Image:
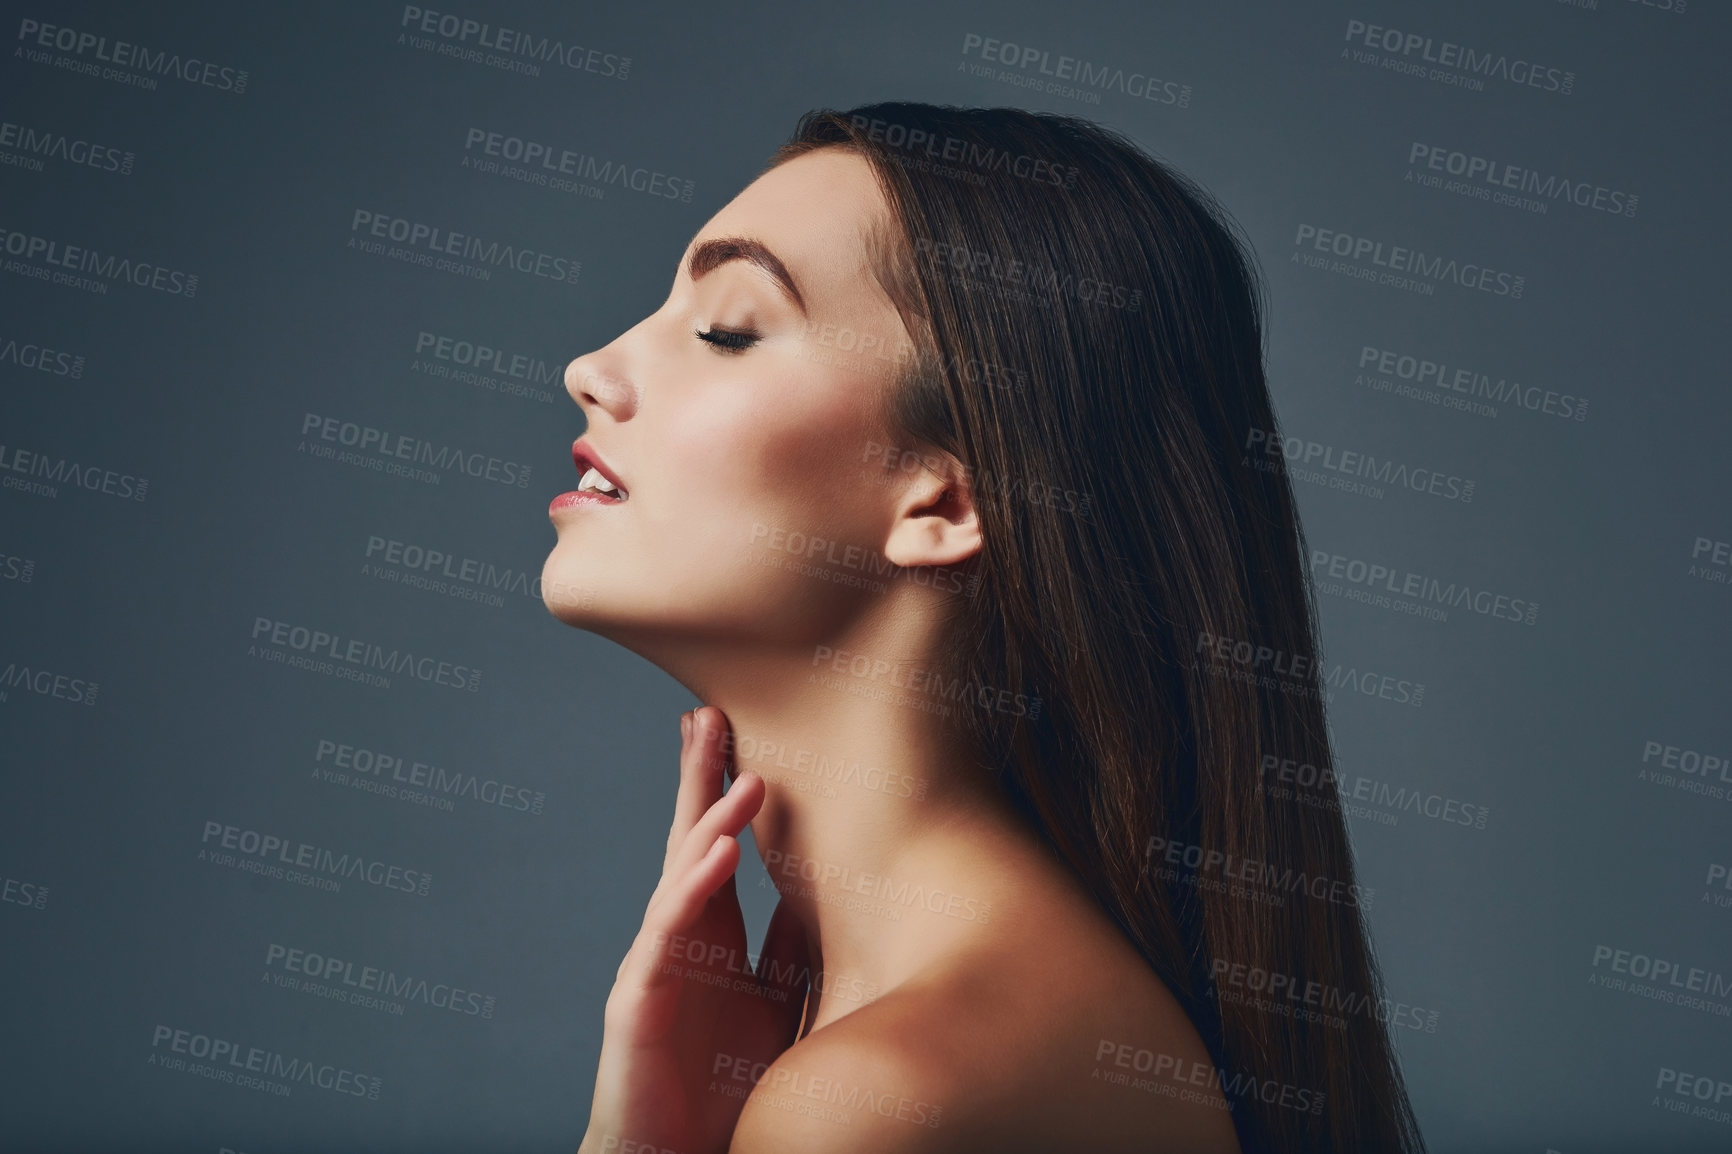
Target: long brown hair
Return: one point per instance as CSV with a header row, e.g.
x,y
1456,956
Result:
x,y
1088,323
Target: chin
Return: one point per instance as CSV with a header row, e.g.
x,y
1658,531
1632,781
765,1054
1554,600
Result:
x,y
573,597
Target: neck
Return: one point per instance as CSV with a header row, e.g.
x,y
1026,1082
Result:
x,y
882,832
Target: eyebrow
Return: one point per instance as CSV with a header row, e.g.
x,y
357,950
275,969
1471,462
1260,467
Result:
x,y
720,250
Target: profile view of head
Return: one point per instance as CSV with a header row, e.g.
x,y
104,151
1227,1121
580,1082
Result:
x,y
934,458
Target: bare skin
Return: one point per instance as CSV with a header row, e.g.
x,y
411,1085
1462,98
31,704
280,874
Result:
x,y
932,978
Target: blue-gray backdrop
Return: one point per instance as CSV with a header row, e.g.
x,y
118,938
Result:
x,y
1491,232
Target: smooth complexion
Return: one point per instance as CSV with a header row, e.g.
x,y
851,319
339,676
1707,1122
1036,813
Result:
x,y
997,1021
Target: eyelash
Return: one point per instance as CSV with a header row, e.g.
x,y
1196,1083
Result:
x,y
728,340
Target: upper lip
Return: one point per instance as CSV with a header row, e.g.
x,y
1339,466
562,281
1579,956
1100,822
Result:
x,y
585,458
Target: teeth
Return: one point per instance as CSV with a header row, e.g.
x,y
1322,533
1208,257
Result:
x,y
594,480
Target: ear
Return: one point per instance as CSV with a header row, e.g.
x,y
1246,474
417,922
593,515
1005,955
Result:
x,y
936,522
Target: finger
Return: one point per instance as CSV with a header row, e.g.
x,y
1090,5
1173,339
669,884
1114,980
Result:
x,y
681,904
700,774
725,902
676,830
728,817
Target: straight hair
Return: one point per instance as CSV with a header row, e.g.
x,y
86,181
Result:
x,y
1088,322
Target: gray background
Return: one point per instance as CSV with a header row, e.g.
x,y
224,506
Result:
x,y
1544,725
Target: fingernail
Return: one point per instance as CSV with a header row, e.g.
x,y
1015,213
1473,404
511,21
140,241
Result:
x,y
685,727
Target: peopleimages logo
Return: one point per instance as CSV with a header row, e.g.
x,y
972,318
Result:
x,y
425,243
1688,762
18,892
1309,1000
819,771
1219,1086
46,683
1414,51
925,681
286,637
438,564
543,162
417,781
485,358
1072,77
1374,583
1349,469
228,1061
820,1097
1711,561
1662,980
1032,280
26,147
487,367
854,565
88,46
384,443
1455,387
53,471
1286,672
830,880
1330,788
1363,256
325,865
1499,181
1713,1096
508,48
46,258
979,159
1267,882
341,979
40,358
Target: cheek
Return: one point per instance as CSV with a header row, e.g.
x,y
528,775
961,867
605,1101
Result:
x,y
790,460
705,472
816,488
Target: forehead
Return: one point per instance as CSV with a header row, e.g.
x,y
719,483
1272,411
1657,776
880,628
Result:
x,y
815,213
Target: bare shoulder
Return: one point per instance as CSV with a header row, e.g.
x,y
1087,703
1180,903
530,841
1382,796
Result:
x,y
1054,1040
860,1084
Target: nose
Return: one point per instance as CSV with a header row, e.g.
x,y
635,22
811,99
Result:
x,y
595,380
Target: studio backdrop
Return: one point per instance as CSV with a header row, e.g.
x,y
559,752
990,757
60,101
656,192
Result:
x,y
295,758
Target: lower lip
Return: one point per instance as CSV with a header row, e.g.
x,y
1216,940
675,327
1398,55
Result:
x,y
578,497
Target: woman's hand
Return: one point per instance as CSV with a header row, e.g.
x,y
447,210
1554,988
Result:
x,y
687,1000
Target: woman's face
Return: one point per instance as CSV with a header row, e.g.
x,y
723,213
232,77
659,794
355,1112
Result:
x,y
735,459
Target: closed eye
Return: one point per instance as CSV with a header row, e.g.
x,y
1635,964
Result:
x,y
728,340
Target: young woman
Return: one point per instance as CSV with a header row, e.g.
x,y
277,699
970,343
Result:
x,y
935,478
